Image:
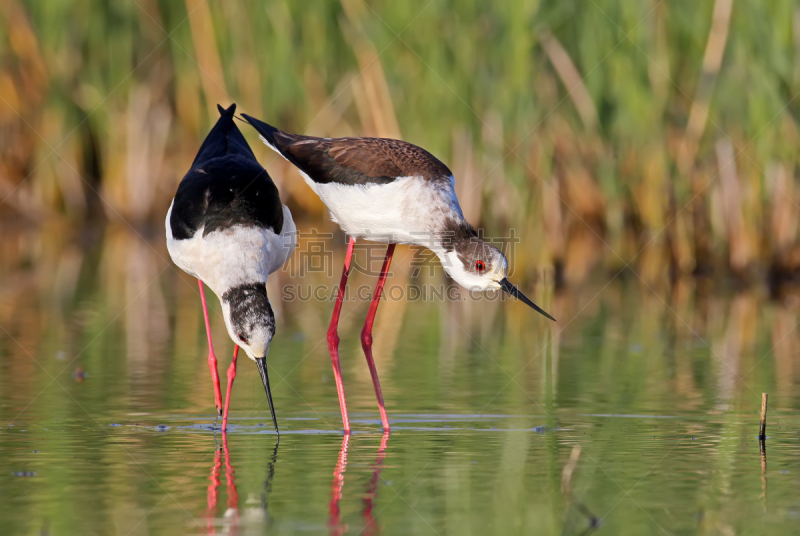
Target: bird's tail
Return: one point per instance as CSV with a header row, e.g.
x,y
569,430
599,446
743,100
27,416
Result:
x,y
227,113
225,138
268,133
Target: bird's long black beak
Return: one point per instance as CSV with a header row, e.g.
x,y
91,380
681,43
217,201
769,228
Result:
x,y
262,369
506,285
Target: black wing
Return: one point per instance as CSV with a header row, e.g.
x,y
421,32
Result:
x,y
224,193
226,186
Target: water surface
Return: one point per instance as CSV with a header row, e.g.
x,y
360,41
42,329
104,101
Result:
x,y
107,422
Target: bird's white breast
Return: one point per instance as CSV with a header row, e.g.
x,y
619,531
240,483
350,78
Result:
x,y
230,257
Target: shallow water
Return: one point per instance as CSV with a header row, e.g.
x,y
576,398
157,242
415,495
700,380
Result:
x,y
107,421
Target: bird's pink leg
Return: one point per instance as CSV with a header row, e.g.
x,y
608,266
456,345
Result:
x,y
231,376
212,359
366,334
333,336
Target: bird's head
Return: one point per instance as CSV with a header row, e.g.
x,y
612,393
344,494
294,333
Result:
x,y
249,318
477,265
251,324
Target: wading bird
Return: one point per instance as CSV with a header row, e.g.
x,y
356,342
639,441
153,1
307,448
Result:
x,y
227,227
390,191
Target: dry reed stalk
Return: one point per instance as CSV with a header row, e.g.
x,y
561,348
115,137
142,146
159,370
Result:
x,y
25,46
583,250
712,61
362,108
701,223
540,158
204,38
649,195
68,177
652,266
658,66
682,247
149,123
578,188
552,214
762,428
784,214
114,187
796,40
330,115
370,89
248,74
48,188
371,93
468,187
584,196
24,83
150,19
376,90
11,195
571,79
505,201
741,251
10,98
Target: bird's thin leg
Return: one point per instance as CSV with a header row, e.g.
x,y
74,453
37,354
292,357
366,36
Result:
x,y
212,359
366,334
333,336
231,376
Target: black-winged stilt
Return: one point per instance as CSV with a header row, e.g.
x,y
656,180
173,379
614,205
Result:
x,y
390,191
227,227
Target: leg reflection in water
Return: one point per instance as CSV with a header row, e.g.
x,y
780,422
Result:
x,y
370,526
213,494
232,518
335,525
334,521
232,513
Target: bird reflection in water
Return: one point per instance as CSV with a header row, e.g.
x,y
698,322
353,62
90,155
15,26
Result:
x,y
231,518
335,524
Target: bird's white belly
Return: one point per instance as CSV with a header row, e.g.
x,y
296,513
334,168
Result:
x,y
406,210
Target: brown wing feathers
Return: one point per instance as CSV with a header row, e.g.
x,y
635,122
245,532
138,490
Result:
x,y
353,160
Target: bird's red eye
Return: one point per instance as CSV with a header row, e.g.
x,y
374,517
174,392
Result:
x,y
242,338
480,266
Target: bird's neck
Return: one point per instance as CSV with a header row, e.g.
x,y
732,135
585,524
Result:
x,y
454,231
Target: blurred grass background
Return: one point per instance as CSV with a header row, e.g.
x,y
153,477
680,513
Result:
x,y
652,139
655,136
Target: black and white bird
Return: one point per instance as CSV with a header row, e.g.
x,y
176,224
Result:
x,y
390,191
227,227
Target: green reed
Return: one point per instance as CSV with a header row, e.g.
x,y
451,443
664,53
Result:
x,y
659,136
